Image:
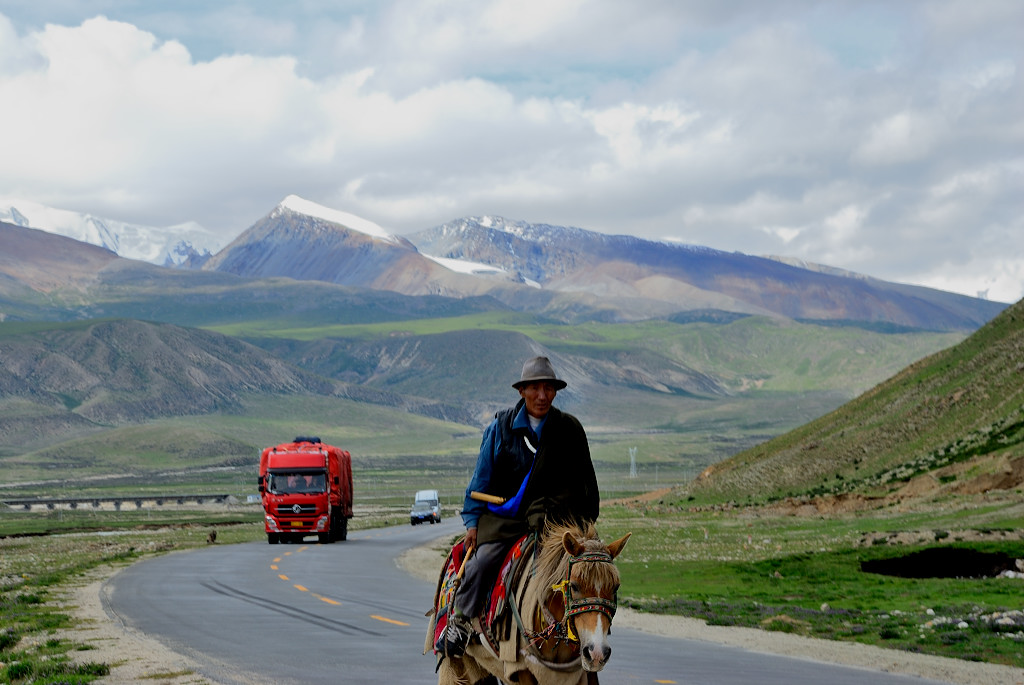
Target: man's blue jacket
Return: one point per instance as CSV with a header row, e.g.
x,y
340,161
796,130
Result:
x,y
562,486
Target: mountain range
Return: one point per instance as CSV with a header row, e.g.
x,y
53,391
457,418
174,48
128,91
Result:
x,y
564,272
312,312
187,244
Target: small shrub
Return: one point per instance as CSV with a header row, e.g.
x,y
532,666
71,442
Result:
x,y
29,599
8,638
889,633
94,669
781,627
953,638
18,670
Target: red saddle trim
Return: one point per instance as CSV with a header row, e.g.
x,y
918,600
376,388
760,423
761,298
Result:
x,y
497,601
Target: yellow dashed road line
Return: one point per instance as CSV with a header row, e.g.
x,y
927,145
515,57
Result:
x,y
328,600
388,620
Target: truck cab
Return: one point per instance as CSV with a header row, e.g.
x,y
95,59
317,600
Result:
x,y
306,489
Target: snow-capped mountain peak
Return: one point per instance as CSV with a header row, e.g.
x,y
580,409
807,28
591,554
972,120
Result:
x,y
182,244
351,221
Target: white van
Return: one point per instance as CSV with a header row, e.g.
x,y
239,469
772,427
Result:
x,y
426,506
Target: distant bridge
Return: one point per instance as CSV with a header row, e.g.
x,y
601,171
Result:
x,y
116,503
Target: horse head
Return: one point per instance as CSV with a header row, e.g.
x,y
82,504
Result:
x,y
588,594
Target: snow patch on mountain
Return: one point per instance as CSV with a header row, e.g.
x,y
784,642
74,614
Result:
x,y
171,246
463,266
819,268
334,216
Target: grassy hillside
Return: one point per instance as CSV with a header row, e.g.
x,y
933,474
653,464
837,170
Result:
x,y
128,398
951,424
752,353
220,451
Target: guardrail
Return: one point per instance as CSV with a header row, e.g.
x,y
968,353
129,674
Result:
x,y
115,503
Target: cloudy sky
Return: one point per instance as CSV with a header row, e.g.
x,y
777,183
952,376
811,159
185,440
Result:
x,y
882,137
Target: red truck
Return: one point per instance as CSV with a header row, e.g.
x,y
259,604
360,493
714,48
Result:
x,y
306,488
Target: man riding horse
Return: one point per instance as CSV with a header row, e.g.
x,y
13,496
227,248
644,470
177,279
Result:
x,y
537,459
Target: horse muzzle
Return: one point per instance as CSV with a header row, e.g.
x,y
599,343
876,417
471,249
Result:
x,y
594,657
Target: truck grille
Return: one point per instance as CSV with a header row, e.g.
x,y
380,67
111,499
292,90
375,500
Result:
x,y
286,510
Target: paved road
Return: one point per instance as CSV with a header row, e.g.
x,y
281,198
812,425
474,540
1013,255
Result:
x,y
346,613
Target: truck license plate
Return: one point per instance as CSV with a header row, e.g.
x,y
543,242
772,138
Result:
x,y
296,524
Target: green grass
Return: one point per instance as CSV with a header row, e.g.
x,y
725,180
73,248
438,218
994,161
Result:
x,y
726,565
273,328
738,567
178,445
393,452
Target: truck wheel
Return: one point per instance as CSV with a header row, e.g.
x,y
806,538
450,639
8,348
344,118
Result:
x,y
324,538
273,538
342,528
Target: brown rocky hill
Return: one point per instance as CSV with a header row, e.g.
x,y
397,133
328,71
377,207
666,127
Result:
x,y
33,260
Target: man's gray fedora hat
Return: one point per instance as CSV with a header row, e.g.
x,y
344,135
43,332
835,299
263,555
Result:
x,y
536,370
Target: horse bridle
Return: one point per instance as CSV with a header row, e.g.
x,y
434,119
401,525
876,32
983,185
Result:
x,y
575,607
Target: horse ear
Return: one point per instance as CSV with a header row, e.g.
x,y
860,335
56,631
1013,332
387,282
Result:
x,y
571,544
616,547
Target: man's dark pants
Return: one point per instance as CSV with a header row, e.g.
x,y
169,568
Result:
x,y
479,576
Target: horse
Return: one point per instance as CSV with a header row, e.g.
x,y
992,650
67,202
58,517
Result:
x,y
562,609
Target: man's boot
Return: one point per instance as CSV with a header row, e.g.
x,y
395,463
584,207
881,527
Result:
x,y
456,637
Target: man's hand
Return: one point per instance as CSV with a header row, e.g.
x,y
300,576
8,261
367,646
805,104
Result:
x,y
470,538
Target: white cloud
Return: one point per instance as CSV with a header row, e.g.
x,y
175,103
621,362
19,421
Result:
x,y
786,234
769,128
903,137
989,277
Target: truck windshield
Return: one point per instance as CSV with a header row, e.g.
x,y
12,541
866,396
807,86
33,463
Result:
x,y
282,483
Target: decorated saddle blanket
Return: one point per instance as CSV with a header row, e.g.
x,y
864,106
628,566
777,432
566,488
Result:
x,y
497,603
